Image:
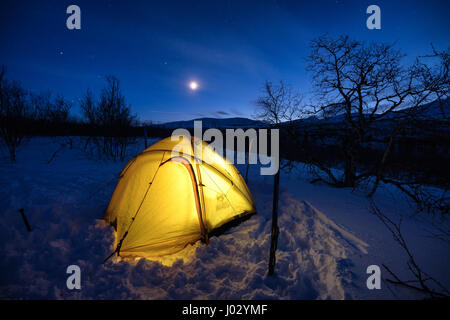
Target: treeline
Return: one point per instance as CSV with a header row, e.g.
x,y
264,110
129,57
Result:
x,y
77,127
106,121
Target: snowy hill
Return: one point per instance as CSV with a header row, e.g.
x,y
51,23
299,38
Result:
x,y
430,111
433,111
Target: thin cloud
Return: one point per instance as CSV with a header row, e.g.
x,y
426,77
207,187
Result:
x,y
222,113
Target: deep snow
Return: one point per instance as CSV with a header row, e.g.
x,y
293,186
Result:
x,y
328,237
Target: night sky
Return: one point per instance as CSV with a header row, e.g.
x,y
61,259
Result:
x,y
229,47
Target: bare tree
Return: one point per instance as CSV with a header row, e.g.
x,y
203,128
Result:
x,y
110,117
422,281
15,113
51,111
278,104
52,115
433,81
88,106
363,84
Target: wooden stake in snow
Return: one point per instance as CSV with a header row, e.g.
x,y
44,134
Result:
x,y
27,225
275,231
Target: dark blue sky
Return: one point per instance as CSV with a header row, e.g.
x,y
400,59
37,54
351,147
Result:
x,y
230,47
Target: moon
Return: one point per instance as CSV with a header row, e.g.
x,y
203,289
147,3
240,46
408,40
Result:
x,y
193,85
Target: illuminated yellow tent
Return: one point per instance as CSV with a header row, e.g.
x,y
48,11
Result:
x,y
165,199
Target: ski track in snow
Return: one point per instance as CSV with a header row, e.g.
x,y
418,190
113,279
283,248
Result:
x,y
64,201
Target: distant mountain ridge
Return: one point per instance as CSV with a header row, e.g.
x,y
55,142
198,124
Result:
x,y
220,123
430,111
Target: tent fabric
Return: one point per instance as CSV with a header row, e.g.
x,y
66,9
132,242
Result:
x,y
173,194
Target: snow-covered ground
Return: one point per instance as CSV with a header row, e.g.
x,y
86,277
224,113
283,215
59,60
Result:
x,y
328,237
